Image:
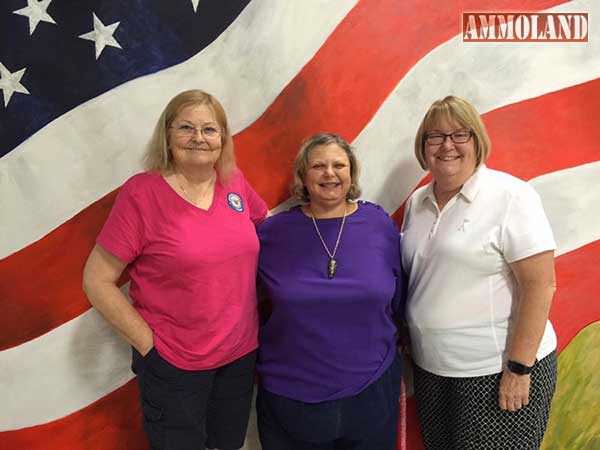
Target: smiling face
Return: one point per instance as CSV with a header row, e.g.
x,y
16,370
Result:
x,y
194,137
450,164
328,178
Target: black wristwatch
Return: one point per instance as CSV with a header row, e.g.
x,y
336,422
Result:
x,y
518,368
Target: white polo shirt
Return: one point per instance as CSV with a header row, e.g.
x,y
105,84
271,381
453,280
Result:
x,y
461,290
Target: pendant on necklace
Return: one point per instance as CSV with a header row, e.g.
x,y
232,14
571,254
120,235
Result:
x,y
331,268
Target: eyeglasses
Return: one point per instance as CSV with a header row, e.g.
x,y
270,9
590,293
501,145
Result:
x,y
458,137
185,130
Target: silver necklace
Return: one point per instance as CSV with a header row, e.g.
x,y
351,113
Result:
x,y
204,191
331,262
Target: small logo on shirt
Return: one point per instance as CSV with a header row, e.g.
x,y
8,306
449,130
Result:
x,y
235,202
465,225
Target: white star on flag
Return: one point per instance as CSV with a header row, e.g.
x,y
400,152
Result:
x,y
36,12
195,4
11,83
102,35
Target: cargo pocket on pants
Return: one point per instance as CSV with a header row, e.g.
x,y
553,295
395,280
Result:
x,y
152,412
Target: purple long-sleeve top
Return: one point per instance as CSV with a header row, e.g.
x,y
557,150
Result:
x,y
328,339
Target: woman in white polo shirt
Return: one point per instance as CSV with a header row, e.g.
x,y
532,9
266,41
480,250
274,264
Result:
x,y
479,254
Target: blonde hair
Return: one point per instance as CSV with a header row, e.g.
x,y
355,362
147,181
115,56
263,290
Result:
x,y
158,157
453,109
297,188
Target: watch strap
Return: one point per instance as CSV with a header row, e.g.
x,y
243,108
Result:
x,y
518,368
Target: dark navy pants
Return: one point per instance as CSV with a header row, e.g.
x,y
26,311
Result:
x,y
188,410
366,421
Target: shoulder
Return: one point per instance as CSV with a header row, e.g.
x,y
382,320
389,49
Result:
x,y
417,197
141,180
235,180
375,214
237,183
145,192
419,194
140,184
503,179
281,220
282,226
507,185
371,209
237,175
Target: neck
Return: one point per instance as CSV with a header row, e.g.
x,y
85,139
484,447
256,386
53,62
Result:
x,y
196,176
321,211
443,193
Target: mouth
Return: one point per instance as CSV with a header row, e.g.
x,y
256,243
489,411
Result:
x,y
199,149
330,185
448,157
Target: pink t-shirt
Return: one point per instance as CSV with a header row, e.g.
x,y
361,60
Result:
x,y
193,272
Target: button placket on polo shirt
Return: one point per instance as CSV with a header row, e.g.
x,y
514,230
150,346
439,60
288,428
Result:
x,y
439,214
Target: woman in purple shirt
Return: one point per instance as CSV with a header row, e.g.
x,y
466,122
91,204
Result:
x,y
330,269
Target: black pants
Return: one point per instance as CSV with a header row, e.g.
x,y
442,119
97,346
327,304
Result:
x,y
366,421
463,413
188,410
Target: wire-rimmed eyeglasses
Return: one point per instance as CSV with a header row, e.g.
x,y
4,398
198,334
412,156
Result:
x,y
186,130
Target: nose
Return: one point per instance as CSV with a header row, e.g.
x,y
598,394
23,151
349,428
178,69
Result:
x,y
197,135
329,170
447,141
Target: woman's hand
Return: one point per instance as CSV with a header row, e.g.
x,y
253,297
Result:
x,y
514,391
100,278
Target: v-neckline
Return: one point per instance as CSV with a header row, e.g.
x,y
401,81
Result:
x,y
217,189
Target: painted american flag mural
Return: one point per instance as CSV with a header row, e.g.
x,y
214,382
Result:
x,y
84,82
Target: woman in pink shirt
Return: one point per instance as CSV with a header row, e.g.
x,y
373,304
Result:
x,y
185,232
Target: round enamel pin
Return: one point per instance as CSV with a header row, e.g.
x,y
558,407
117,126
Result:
x,y
235,202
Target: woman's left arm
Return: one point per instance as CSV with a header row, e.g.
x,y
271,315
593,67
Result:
x,y
536,284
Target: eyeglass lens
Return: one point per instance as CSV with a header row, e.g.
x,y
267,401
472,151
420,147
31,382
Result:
x,y
458,137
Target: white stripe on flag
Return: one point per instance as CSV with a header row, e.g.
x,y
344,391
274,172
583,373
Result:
x,y
92,149
489,75
62,371
83,360
570,199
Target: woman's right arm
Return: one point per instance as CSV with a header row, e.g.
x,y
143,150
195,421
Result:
x,y
100,276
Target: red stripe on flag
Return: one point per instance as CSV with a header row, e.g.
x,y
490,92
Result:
x,y
336,90
576,302
545,134
40,285
340,91
111,423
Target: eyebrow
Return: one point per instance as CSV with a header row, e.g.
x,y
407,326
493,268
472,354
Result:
x,y
192,123
335,161
435,130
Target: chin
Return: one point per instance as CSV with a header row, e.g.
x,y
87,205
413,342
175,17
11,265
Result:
x,y
331,201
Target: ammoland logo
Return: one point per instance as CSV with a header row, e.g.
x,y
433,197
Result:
x,y
524,26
